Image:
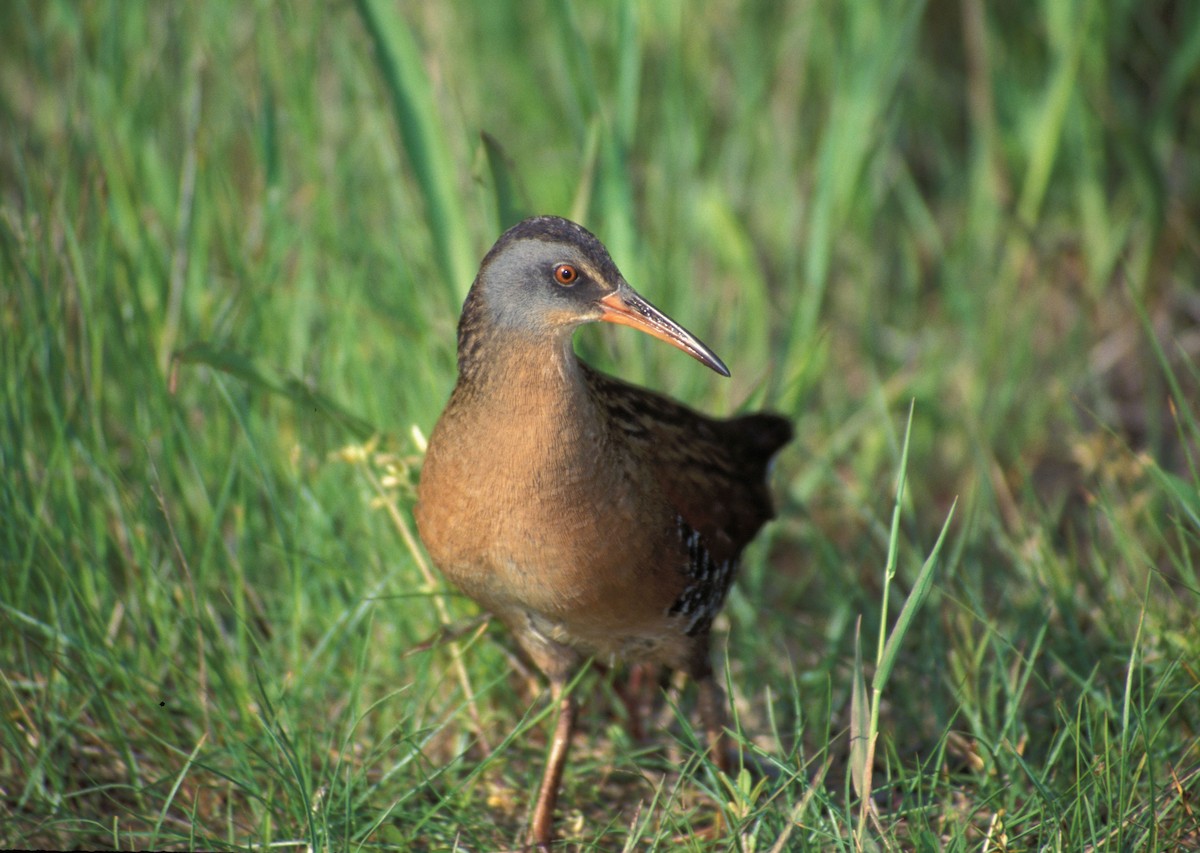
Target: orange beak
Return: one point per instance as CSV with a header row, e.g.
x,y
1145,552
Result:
x,y
626,307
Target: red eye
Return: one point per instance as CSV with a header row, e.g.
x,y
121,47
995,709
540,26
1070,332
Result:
x,y
566,274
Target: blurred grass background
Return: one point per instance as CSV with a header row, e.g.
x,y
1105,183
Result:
x,y
233,242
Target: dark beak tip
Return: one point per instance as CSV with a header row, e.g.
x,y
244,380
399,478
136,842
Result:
x,y
709,359
627,307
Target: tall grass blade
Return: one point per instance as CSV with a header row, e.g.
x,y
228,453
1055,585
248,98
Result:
x,y
920,591
421,133
511,208
860,721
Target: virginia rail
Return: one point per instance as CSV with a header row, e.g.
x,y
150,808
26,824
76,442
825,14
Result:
x,y
594,518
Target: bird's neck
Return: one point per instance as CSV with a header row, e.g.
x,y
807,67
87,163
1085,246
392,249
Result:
x,y
495,355
510,369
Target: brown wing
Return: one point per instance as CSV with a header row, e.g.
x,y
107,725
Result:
x,y
713,471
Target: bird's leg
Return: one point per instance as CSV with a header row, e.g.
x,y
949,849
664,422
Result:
x,y
637,696
541,829
711,699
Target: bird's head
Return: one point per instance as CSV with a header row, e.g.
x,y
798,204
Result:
x,y
546,276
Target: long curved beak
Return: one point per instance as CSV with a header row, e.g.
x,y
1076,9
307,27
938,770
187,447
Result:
x,y
627,307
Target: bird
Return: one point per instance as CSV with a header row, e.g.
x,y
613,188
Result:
x,y
596,519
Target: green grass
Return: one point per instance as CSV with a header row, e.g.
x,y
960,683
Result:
x,y
233,242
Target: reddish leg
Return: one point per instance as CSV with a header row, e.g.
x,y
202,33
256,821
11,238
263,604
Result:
x,y
541,830
711,700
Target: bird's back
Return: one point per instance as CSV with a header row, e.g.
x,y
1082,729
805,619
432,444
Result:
x,y
714,471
